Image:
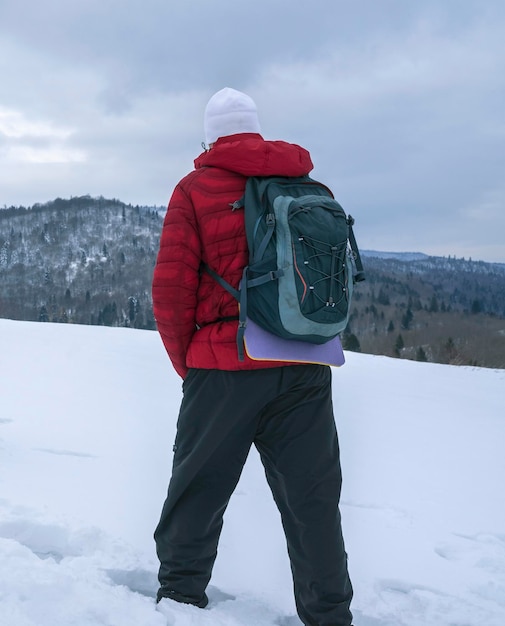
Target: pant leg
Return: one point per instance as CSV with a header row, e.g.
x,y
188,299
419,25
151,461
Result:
x,y
215,430
298,444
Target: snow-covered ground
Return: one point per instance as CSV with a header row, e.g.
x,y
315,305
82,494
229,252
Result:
x,y
87,422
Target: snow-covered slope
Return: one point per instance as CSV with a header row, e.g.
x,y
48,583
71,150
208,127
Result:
x,y
87,421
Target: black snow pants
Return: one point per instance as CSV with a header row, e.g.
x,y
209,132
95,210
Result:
x,y
287,413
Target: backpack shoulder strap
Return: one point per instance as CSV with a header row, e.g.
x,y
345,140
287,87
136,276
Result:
x,y
224,283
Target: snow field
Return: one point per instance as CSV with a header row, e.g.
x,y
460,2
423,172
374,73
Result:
x,y
87,422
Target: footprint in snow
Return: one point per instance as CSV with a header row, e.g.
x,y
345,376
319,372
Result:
x,y
217,596
146,583
137,580
50,540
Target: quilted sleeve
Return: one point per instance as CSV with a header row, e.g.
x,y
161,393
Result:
x,y
176,278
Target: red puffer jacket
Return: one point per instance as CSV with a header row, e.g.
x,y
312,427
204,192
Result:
x,y
193,311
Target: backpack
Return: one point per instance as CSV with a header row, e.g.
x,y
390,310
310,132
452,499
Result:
x,y
302,254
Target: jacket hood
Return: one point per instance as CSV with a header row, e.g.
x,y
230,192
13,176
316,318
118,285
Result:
x,y
250,155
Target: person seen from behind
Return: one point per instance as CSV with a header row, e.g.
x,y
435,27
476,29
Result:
x,y
284,409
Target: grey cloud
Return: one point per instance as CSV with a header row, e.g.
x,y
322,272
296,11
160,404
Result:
x,y
400,103
171,45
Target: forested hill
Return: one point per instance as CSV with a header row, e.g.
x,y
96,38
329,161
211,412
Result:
x,y
439,309
90,261
84,260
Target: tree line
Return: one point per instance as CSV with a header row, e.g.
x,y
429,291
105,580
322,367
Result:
x,y
90,261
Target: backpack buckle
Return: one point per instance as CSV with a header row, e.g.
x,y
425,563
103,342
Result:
x,y
275,274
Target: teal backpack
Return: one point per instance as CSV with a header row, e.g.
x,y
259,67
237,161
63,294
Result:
x,y
303,260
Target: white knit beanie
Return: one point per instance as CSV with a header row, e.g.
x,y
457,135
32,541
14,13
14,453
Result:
x,y
229,112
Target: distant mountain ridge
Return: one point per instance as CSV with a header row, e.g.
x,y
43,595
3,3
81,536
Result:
x,y
90,261
421,256
401,256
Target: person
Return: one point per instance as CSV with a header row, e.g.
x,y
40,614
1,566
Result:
x,y
284,409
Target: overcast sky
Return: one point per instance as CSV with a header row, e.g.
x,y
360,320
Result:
x,y
400,102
